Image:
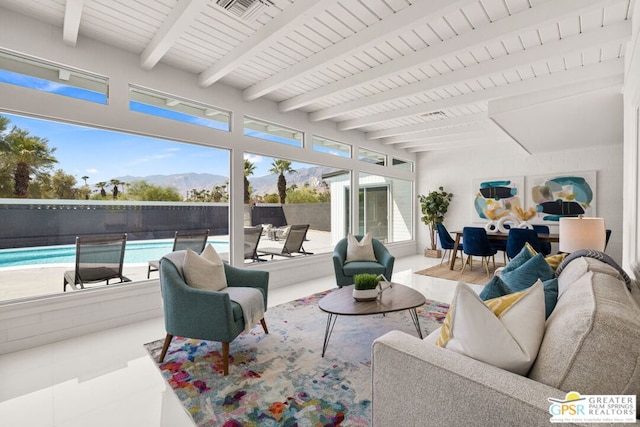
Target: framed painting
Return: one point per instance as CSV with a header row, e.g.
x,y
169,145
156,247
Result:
x,y
562,195
497,198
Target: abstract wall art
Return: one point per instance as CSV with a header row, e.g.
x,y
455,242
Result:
x,y
497,198
563,195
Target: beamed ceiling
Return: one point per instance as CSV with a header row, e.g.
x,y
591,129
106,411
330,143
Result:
x,y
418,74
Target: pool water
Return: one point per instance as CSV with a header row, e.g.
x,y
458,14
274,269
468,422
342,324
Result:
x,y
135,252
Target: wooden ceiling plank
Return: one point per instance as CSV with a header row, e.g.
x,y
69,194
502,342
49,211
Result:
x,y
527,19
599,36
399,22
278,27
177,22
591,72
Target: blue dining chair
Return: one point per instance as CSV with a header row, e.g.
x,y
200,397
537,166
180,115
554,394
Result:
x,y
545,246
607,237
518,237
476,243
447,243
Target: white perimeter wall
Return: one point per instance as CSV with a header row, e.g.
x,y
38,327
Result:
x,y
455,170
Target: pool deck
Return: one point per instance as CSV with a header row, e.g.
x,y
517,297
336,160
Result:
x,y
37,280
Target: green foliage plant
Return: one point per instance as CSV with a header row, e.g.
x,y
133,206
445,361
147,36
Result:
x,y
434,207
365,281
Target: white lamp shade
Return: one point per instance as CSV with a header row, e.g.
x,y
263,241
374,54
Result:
x,y
582,233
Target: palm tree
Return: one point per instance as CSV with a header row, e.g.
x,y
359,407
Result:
x,y
26,155
281,167
101,186
115,182
85,178
249,169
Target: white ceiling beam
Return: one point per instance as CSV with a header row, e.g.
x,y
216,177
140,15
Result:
x,y
459,130
395,24
180,18
71,24
590,72
435,124
550,11
450,145
283,23
597,37
504,105
444,139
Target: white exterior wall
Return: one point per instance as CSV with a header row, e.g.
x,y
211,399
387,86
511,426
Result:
x,y
455,170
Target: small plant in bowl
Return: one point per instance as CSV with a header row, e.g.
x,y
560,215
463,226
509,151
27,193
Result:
x,y
365,287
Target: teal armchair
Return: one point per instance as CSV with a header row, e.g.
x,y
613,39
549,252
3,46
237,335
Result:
x,y
345,272
203,314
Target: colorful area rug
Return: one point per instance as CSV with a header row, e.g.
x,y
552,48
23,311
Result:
x,y
281,379
477,275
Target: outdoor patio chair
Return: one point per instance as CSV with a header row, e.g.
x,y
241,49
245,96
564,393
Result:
x,y
251,240
292,245
194,240
98,258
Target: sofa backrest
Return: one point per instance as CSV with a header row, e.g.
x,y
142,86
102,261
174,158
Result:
x,y
592,339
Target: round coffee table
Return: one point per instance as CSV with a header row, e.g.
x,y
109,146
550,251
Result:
x,y
396,298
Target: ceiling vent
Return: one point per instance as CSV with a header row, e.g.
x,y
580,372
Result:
x,y
245,9
435,115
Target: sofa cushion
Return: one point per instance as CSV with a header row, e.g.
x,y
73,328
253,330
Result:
x,y
592,339
524,256
504,332
526,275
497,288
358,267
579,267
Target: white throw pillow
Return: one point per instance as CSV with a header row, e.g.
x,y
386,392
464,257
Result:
x,y
205,271
505,332
360,251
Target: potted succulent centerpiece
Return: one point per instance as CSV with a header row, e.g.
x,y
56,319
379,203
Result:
x,y
365,286
434,206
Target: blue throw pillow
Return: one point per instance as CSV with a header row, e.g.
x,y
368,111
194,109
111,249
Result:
x,y
550,295
494,289
518,260
526,275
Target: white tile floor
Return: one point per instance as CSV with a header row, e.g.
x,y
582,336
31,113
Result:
x,y
107,378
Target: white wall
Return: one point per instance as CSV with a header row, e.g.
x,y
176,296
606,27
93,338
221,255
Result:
x,y
455,170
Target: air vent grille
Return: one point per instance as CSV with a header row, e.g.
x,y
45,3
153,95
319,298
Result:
x,y
244,9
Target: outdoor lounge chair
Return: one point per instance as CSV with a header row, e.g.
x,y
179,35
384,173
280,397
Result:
x,y
292,245
251,240
194,240
98,258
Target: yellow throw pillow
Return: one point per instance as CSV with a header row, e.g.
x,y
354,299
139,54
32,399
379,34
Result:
x,y
205,271
505,332
555,260
528,246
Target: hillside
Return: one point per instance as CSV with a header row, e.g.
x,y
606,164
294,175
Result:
x,y
261,184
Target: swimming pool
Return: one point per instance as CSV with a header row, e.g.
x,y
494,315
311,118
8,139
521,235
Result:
x,y
140,251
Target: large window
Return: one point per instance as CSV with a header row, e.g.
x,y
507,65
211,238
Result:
x,y
283,192
49,77
59,181
272,132
171,107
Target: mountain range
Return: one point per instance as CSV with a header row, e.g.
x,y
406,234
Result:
x,y
261,185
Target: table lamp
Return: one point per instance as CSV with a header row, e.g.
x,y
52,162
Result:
x,y
581,233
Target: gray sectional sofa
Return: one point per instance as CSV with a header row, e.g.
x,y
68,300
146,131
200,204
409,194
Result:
x,y
591,345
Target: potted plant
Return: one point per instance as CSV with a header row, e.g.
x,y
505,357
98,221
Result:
x,y
434,206
365,286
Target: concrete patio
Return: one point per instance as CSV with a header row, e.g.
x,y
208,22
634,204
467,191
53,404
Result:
x,y
46,279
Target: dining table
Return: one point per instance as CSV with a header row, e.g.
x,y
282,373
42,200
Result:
x,y
497,235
